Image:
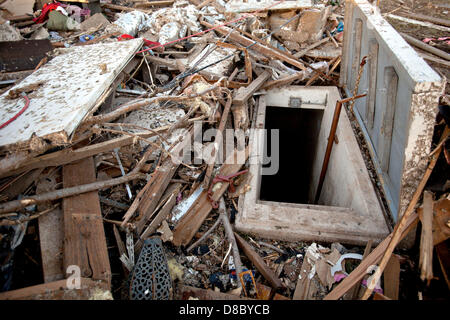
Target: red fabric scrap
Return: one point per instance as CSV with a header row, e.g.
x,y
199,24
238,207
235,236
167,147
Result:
x,y
45,11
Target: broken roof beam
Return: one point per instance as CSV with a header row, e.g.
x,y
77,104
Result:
x,y
263,49
237,6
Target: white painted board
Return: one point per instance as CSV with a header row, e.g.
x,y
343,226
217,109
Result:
x,y
72,83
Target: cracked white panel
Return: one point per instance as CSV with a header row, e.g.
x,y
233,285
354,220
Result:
x,y
71,84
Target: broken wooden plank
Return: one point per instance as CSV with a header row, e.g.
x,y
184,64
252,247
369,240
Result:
x,y
189,224
410,210
372,259
51,232
238,6
259,263
57,290
156,187
426,47
187,292
69,155
66,192
240,107
392,278
243,94
84,235
422,17
159,218
426,239
265,50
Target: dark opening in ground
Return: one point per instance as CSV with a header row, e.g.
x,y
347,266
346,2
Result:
x,y
298,137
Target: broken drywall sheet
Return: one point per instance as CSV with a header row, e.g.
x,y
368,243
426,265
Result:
x,y
63,91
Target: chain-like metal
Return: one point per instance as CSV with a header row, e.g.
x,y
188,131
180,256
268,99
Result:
x,y
355,90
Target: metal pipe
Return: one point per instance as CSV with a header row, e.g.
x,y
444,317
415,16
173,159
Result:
x,y
337,113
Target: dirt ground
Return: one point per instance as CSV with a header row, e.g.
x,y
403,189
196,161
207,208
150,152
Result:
x,y
435,8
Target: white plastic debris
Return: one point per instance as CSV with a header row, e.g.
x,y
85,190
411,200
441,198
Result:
x,y
171,31
133,22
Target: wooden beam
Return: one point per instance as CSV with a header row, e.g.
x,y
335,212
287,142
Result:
x,y
56,290
189,224
422,17
243,94
84,235
66,156
392,278
426,47
66,192
265,50
372,259
259,263
426,238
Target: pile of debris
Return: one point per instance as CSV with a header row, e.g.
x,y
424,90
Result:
x,y
106,183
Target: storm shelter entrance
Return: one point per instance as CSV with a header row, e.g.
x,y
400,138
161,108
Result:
x,y
298,137
280,205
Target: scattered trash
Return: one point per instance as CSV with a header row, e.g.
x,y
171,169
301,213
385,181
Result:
x,y
116,137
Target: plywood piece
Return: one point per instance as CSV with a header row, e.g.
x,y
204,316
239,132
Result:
x,y
64,91
84,235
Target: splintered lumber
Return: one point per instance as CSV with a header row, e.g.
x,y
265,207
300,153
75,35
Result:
x,y
51,233
240,107
68,155
189,224
303,287
218,137
300,54
66,192
53,114
243,94
358,289
146,202
231,238
401,225
372,259
122,8
159,218
426,239
426,47
187,292
57,290
259,263
84,235
422,17
392,278
260,48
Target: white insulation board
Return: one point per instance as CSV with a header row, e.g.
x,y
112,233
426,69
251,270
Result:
x,y
71,85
